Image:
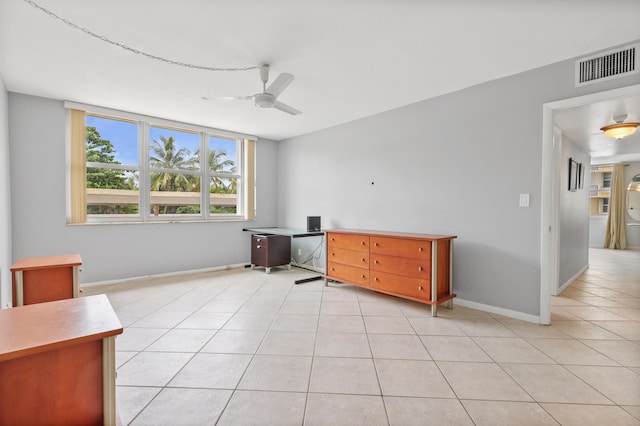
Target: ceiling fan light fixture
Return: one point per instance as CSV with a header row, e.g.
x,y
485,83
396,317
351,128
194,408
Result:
x,y
620,129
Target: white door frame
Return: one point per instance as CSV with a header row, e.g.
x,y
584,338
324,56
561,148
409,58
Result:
x,y
549,230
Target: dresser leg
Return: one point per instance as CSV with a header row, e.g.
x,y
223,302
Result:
x,y
434,310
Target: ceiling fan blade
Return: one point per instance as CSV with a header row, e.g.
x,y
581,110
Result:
x,y
286,108
280,84
227,98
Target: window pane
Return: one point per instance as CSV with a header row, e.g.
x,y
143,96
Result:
x,y
223,195
111,199
112,141
223,155
174,193
173,149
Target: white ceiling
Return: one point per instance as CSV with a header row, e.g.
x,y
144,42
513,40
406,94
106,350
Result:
x,y
351,58
582,126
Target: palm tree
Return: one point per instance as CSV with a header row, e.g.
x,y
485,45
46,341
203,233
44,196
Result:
x,y
217,164
165,155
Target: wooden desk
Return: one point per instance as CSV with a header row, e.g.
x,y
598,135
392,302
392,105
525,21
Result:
x,y
44,279
57,363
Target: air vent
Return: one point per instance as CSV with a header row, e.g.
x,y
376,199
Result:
x,y
607,65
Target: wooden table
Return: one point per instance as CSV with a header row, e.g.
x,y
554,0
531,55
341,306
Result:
x,y
44,279
57,363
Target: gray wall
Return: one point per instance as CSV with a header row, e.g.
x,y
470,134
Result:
x,y
109,252
573,253
454,164
5,202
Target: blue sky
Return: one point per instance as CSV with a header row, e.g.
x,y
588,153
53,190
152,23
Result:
x,y
124,138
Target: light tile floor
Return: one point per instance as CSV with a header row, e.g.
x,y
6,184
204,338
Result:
x,y
241,347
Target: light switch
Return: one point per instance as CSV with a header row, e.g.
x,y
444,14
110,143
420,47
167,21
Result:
x,y
524,200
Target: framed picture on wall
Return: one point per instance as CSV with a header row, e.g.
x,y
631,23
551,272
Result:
x,y
580,175
573,175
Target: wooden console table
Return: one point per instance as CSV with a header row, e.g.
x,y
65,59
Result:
x,y
57,363
45,279
413,266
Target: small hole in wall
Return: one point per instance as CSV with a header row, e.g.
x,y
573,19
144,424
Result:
x,y
372,183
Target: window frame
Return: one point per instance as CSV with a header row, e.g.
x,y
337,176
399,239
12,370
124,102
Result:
x,y
244,174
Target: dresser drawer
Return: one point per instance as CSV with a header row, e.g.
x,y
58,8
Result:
x,y
358,259
348,274
412,288
415,249
414,268
348,241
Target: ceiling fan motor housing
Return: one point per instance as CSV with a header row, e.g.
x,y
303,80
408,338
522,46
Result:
x,y
264,100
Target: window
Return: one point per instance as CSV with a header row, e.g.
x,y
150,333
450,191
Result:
x,y
606,180
127,168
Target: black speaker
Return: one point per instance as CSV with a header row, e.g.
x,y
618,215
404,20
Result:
x,y
313,223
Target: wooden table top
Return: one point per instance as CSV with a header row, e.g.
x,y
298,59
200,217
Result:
x,y
393,234
46,262
31,329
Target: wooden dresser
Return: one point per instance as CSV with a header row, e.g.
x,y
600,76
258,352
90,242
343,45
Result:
x,y
45,279
412,266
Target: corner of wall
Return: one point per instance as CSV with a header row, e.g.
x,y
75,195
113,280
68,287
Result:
x,y
5,201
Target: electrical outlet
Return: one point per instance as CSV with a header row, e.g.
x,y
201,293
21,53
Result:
x,y
299,252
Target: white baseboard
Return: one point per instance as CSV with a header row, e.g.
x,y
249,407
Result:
x,y
569,281
496,310
165,275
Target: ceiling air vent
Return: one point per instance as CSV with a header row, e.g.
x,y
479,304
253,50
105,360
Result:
x,y
607,65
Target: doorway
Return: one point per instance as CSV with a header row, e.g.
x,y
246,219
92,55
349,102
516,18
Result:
x,y
551,185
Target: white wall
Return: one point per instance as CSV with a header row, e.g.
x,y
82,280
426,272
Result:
x,y
455,164
5,202
573,253
109,252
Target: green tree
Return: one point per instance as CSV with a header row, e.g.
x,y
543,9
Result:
x,y
218,164
101,151
166,155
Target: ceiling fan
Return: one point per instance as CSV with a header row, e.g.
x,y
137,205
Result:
x,y
269,96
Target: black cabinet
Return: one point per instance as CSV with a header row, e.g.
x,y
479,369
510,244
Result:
x,y
270,250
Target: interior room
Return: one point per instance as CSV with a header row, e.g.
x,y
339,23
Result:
x,y
476,125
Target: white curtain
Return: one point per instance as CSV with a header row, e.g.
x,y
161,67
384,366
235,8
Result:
x,y
615,236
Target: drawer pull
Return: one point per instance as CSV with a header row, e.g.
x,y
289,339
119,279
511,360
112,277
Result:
x,y
362,276
375,244
375,279
419,288
258,246
419,268
362,260
333,269
361,243
333,254
419,248
258,239
333,239
375,261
